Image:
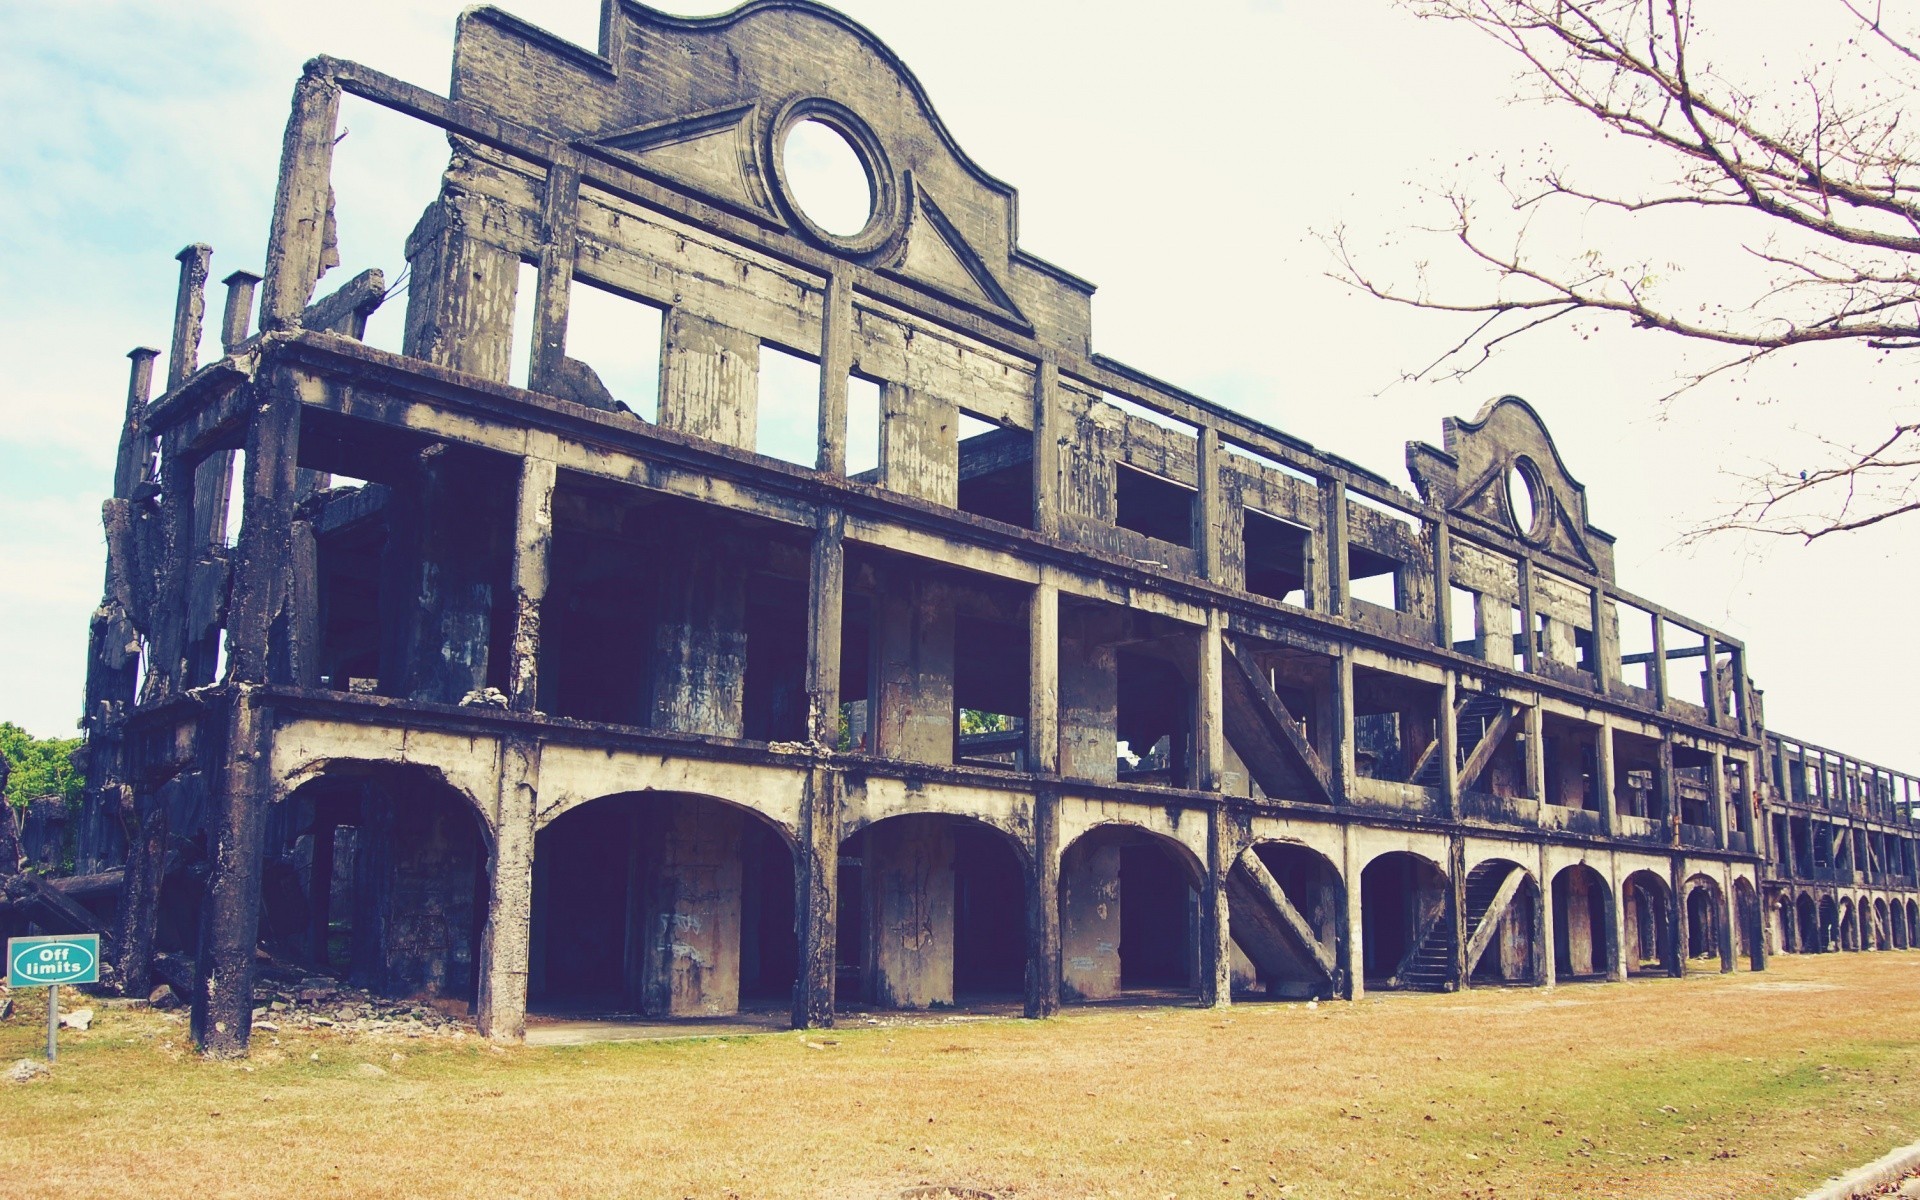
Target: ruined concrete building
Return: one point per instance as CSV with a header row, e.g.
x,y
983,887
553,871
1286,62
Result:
x,y
1037,677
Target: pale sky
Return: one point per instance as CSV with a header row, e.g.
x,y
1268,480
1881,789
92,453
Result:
x,y
1181,157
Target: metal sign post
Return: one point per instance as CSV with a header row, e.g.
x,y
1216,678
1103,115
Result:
x,y
49,962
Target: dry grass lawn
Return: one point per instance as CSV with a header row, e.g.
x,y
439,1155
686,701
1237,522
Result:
x,y
1715,1086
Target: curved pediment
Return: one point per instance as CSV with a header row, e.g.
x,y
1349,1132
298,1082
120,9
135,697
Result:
x,y
705,105
1502,471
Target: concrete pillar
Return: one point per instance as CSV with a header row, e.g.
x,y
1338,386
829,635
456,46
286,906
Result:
x,y
1545,946
690,963
1603,777
1043,679
910,913
505,940
1043,907
836,362
532,548
1343,764
222,1014
816,868
1456,868
1717,796
1351,868
1046,448
1536,755
298,240
1216,944
1677,915
1448,750
1529,649
1331,581
1090,920
554,296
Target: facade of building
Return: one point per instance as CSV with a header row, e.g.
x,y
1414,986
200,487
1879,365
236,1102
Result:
x,y
1025,674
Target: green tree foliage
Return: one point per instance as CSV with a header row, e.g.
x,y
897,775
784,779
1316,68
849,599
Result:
x,y
41,766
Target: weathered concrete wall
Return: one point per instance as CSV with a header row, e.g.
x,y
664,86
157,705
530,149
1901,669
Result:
x,y
1090,921
909,872
691,953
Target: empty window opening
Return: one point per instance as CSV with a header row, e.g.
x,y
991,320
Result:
x,y
1150,505
1691,787
1479,716
1571,752
1275,553
996,471
856,684
1463,614
1636,770
1633,633
1373,578
520,350
1154,720
618,336
1686,664
1395,727
235,505
349,556
775,693
1272,464
990,693
386,168
863,430
787,424
1582,930
1134,408
826,177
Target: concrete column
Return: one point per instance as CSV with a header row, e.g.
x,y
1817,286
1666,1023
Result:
x,y
1351,868
1660,661
222,1015
1216,947
532,548
1209,723
1457,908
1529,651
817,887
1546,948
1043,679
836,362
298,249
1606,644
506,938
1333,576
691,956
1442,585
1717,796
826,615
1449,749
1043,907
1536,754
1046,448
1603,777
1343,758
1090,920
558,249
1209,505
909,870
1677,915
1617,914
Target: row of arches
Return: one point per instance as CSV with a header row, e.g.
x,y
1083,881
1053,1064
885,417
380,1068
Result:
x,y
1810,923
678,905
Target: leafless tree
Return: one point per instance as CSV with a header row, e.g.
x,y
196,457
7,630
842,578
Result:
x,y
1812,175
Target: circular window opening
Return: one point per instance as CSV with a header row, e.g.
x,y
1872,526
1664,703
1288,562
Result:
x,y
1523,497
826,178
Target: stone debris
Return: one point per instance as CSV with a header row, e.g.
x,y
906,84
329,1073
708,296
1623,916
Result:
x,y
80,1019
322,1002
27,1070
162,998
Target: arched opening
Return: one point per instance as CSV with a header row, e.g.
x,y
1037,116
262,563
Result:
x,y
1706,921
1405,934
1786,934
1583,937
1286,911
1882,931
383,880
1647,924
661,905
1502,924
1129,916
1849,932
1746,923
1913,923
1897,924
933,913
1807,935
1827,937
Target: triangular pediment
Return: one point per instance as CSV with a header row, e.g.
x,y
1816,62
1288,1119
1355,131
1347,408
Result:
x,y
711,151
937,254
